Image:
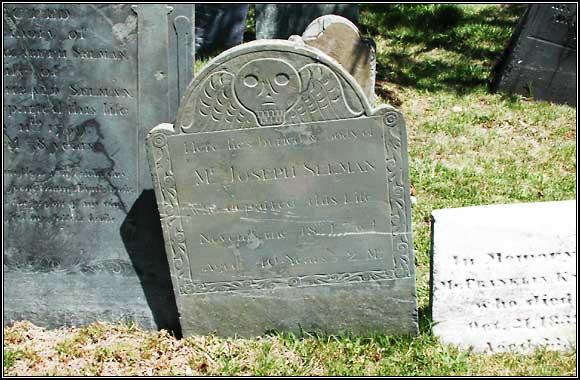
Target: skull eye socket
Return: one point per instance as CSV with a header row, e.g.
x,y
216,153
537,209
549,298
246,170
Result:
x,y
250,81
282,79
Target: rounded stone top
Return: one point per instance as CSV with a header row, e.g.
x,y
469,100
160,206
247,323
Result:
x,y
260,47
270,82
316,27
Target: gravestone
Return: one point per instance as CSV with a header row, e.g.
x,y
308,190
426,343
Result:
x,y
83,84
340,39
219,27
540,60
283,20
504,276
284,199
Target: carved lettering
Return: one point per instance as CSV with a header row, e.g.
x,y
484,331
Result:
x,y
262,174
57,108
72,188
115,109
17,70
507,258
536,322
111,92
261,206
31,34
250,238
351,134
204,176
222,267
114,55
191,147
59,14
463,261
338,167
64,172
472,283
552,342
35,53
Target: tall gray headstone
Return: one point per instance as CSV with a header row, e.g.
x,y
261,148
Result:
x,y
504,276
540,60
83,84
284,199
283,20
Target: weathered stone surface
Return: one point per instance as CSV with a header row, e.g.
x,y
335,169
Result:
x,y
540,60
340,39
283,20
219,27
504,276
83,84
284,199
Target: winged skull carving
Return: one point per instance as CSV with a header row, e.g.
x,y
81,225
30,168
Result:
x,y
267,87
322,97
215,108
268,92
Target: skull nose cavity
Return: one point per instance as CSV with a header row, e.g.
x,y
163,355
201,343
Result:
x,y
268,91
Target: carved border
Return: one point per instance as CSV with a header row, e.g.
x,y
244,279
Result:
x,y
289,282
397,196
168,205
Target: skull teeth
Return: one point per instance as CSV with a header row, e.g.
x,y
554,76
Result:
x,y
271,117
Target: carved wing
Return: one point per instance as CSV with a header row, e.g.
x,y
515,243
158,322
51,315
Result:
x,y
322,97
215,107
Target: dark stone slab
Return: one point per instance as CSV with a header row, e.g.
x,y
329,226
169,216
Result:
x,y
83,84
284,199
283,20
219,27
540,60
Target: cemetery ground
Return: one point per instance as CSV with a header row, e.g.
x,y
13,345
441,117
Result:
x,y
467,147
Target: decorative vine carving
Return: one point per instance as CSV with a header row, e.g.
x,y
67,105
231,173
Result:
x,y
396,186
168,210
271,283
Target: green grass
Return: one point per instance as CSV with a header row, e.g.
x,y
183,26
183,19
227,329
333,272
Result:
x,y
438,46
467,146
125,351
10,357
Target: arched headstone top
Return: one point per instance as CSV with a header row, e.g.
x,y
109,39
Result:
x,y
340,39
268,83
316,27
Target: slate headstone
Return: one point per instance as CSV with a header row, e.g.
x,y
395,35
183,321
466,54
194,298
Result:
x,y
504,276
284,199
219,27
340,39
83,84
283,20
540,60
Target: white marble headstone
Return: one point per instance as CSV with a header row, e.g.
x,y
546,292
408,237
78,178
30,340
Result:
x,y
503,277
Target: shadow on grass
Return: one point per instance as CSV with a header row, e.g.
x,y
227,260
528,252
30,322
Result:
x,y
472,36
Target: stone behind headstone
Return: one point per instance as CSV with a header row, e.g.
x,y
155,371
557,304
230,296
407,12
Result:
x,y
219,27
284,199
83,84
540,60
340,39
504,276
283,20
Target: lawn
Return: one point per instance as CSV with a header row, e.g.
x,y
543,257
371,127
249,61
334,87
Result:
x,y
467,146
